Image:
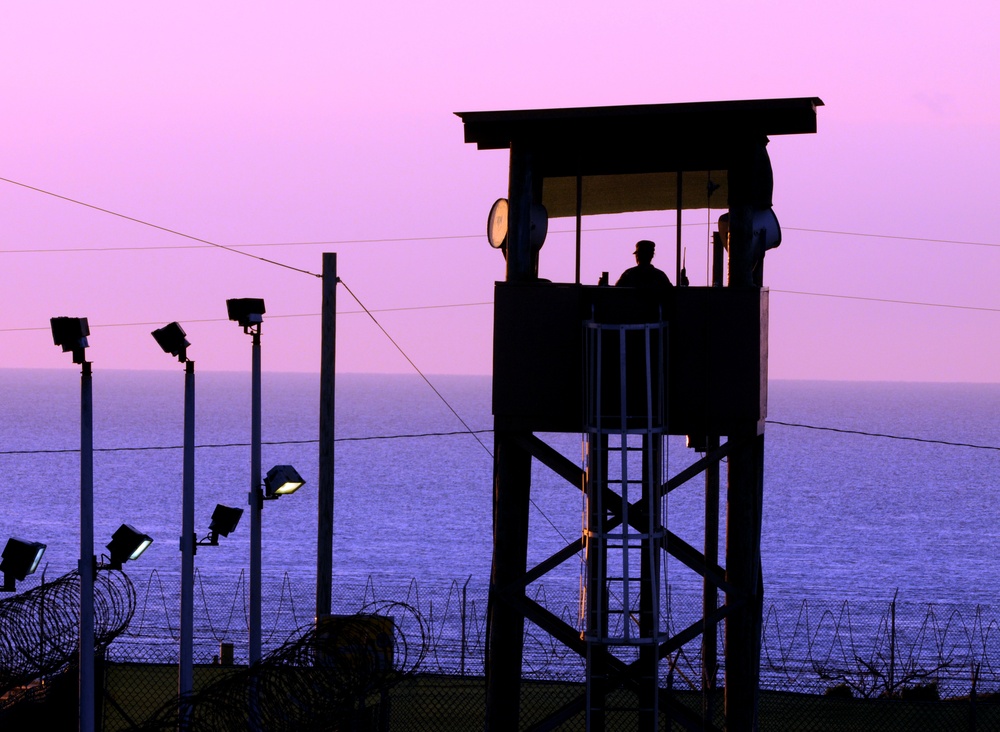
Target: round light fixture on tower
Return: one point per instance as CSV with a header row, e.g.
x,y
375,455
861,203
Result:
x,y
496,224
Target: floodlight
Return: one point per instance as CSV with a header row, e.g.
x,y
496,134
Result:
x,y
496,224
539,226
282,480
127,543
247,311
20,558
224,520
172,340
70,334
766,231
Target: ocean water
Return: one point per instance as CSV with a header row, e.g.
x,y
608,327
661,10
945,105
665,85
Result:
x,y
846,516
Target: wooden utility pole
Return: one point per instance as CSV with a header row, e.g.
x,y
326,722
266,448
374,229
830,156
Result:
x,y
327,414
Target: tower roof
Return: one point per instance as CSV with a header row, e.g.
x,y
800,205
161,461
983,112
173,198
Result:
x,y
624,154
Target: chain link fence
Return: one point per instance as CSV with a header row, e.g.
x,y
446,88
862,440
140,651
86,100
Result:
x,y
887,665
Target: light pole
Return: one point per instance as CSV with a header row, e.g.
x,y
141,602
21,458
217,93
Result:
x,y
71,335
172,340
281,479
248,312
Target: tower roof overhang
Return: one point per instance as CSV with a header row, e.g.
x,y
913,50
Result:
x,y
627,157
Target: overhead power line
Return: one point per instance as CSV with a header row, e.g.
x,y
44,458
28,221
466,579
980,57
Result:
x,y
440,237
457,433
468,429
235,248
884,435
887,300
151,225
482,304
316,243
415,367
928,240
270,316
210,445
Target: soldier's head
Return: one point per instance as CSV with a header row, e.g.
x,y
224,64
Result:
x,y
644,251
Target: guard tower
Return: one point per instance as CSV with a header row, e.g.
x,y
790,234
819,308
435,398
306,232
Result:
x,y
625,368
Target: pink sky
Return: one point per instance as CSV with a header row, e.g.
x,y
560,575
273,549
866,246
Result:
x,y
246,123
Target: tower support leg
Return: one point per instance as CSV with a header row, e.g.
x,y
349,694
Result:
x,y
710,597
743,626
505,643
597,584
652,457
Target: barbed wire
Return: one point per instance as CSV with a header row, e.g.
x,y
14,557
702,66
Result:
x,y
808,644
40,628
323,676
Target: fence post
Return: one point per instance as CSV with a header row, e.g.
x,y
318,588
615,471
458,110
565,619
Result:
x,y
891,690
972,697
465,589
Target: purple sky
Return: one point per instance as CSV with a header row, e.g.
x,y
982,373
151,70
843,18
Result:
x,y
246,123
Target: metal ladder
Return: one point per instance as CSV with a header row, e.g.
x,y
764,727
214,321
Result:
x,y
624,521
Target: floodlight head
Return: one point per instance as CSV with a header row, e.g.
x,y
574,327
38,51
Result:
x,y
70,334
127,543
247,311
766,231
539,226
224,520
282,480
20,558
171,339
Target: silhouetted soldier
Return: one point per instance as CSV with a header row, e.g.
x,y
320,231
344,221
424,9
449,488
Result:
x,y
656,289
644,274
